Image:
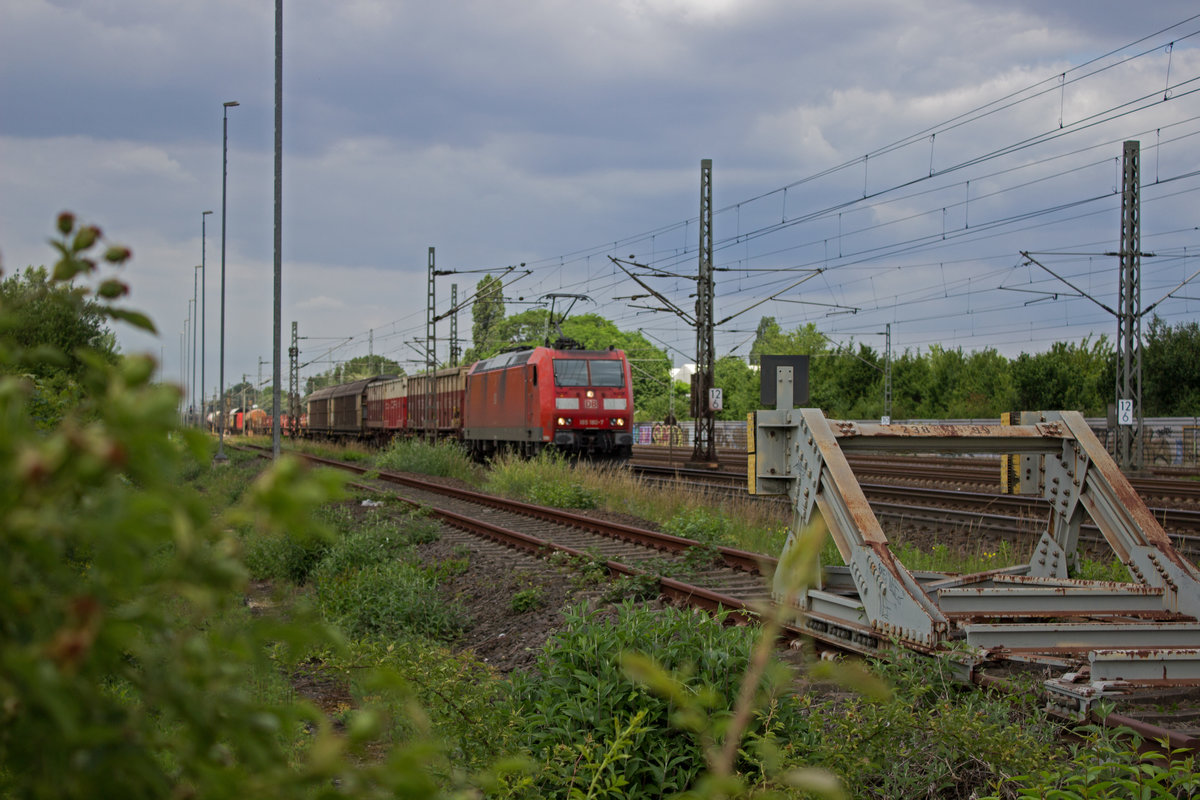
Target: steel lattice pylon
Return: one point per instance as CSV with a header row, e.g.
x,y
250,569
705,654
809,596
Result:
x,y
703,380
1129,317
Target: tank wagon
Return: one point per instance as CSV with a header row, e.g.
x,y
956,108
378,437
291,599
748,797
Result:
x,y
578,401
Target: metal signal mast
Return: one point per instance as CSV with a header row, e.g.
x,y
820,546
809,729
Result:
x,y
294,384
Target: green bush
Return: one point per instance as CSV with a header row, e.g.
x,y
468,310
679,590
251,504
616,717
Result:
x,y
464,700
282,555
1109,763
388,600
933,738
128,665
528,600
445,459
703,525
361,542
420,527
547,480
582,709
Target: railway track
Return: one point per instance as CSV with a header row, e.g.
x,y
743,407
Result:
x,y
1012,518
685,572
961,500
1174,490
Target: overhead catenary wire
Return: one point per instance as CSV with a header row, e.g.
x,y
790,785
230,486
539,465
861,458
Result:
x,y
866,249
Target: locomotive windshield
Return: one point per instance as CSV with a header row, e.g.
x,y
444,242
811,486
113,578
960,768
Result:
x,y
607,373
575,372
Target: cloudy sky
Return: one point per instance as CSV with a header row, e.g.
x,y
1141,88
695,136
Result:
x,y
874,163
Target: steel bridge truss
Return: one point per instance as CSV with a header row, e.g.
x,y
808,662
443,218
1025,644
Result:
x,y
1095,639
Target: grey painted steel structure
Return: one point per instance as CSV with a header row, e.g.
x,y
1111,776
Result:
x,y
702,381
1030,612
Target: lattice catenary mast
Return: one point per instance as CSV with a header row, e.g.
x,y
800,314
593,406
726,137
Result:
x,y
702,381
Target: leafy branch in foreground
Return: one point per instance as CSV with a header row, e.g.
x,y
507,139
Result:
x,y
128,664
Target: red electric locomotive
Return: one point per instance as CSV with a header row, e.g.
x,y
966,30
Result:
x,y
579,401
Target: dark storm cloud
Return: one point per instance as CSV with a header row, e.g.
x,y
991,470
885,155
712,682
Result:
x,y
515,131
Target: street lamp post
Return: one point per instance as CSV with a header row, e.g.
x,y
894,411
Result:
x,y
221,457
189,329
195,328
182,367
203,306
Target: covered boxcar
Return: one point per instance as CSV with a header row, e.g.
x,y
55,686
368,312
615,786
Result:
x,y
579,401
387,408
340,410
447,390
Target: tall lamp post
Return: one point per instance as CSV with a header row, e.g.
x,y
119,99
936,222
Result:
x,y
189,329
221,457
195,327
203,307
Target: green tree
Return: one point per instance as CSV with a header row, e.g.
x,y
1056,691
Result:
x,y
739,386
910,385
528,328
848,382
354,369
666,400
772,340
986,388
1171,369
486,313
1067,376
53,326
767,333
54,323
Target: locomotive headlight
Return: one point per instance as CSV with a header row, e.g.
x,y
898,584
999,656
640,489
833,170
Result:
x,y
590,393
561,422
620,422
